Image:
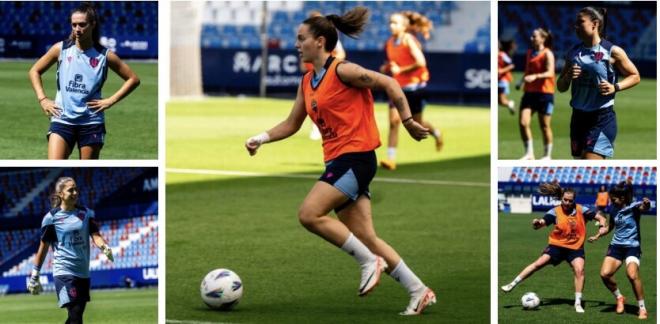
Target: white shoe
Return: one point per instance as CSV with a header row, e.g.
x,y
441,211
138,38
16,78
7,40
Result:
x,y
512,107
578,308
527,157
420,302
508,288
371,275
545,157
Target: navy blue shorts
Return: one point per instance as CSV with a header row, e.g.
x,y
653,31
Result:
x,y
71,289
543,103
593,131
416,100
84,135
621,253
351,173
558,254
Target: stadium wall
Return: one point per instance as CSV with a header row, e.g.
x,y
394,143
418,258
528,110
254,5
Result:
x,y
132,47
462,78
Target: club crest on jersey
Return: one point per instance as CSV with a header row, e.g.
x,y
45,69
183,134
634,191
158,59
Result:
x,y
69,58
598,56
93,61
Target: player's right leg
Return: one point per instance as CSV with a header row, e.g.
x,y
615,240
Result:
x,y
632,271
578,271
75,312
607,271
541,262
392,139
546,130
524,124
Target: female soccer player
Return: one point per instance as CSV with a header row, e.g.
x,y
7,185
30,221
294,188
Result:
x,y
539,87
77,113
504,76
625,245
590,74
337,97
566,241
67,228
407,65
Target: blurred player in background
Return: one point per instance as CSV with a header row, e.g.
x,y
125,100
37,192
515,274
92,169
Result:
x,y
407,64
67,228
504,76
340,54
539,89
625,245
77,113
566,240
589,72
337,97
602,199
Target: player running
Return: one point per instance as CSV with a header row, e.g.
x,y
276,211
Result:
x,y
625,246
504,76
77,113
337,97
407,65
589,72
566,240
539,88
67,228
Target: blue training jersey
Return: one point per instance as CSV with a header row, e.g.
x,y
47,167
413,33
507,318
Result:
x,y
596,67
626,225
68,233
80,77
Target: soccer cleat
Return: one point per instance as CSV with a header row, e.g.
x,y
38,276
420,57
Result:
x,y
527,157
511,107
508,288
578,308
388,164
420,302
643,314
371,275
545,157
620,304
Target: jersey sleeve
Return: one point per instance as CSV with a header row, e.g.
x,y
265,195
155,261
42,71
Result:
x,y
635,209
550,217
48,234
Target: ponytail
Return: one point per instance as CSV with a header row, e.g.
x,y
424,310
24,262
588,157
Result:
x,y
418,23
554,190
350,23
547,37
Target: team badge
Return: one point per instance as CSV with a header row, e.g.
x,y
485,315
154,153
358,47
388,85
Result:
x,y
94,62
69,58
598,56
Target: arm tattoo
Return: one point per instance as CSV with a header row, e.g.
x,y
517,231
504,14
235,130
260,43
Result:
x,y
366,78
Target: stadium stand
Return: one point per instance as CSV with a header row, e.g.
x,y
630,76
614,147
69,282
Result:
x,y
585,175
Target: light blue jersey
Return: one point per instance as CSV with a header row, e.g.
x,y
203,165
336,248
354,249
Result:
x,y
68,233
596,67
626,225
80,77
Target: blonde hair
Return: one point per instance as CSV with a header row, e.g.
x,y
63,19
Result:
x,y
55,199
417,23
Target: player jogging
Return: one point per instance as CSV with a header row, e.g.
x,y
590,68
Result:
x,y
407,65
77,113
539,88
67,228
625,246
566,240
504,76
337,97
589,72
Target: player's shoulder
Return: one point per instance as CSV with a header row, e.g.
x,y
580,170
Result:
x,y
48,218
607,45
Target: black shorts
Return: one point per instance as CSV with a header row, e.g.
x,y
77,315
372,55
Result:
x,y
351,173
71,289
558,254
543,103
593,131
84,135
621,253
416,100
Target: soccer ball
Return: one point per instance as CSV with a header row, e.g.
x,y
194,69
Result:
x,y
530,300
221,289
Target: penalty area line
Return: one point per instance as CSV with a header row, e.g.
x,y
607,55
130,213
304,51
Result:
x,y
309,176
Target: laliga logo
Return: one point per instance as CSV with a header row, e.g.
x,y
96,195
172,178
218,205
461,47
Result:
x,y
544,201
150,273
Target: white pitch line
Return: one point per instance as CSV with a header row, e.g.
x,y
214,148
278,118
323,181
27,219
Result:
x,y
309,176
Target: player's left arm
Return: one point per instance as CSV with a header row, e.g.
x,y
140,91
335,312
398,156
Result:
x,y
604,228
360,77
626,67
549,69
131,81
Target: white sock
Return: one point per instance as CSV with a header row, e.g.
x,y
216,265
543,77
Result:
x,y
516,281
358,250
641,304
529,147
578,298
511,104
391,153
617,293
548,149
407,278
436,133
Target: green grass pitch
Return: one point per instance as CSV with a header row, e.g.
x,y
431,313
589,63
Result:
x,y
107,306
132,124
520,245
636,118
250,225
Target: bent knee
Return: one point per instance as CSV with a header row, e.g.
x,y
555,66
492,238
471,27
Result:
x,y
306,217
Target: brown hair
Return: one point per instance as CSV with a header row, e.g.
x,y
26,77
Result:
x,y
547,35
554,190
418,23
350,23
92,18
596,14
623,190
55,200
